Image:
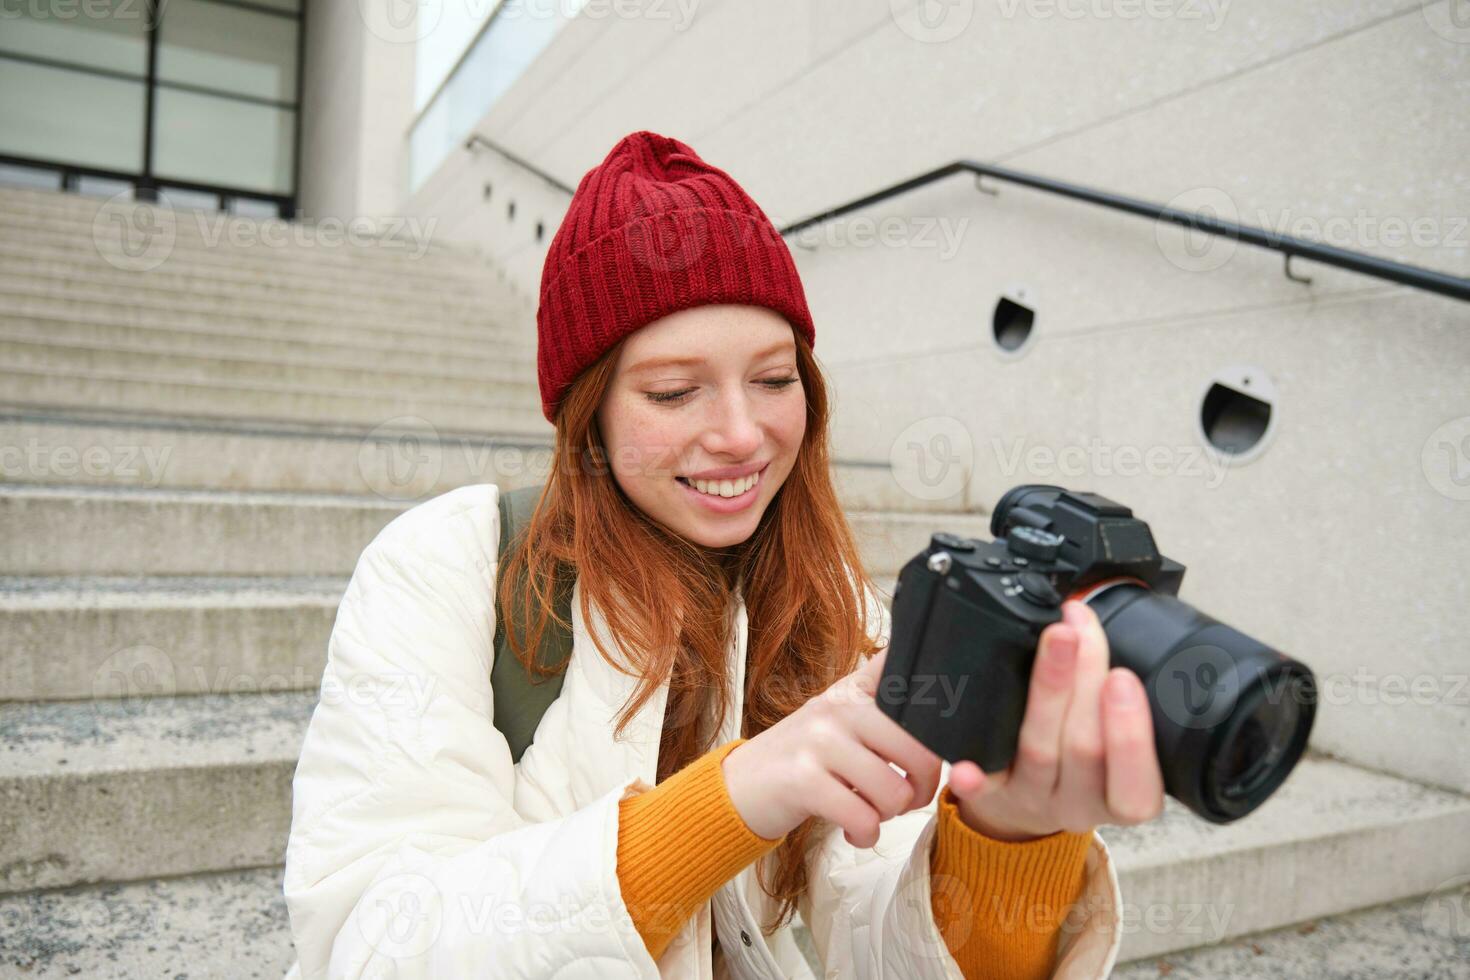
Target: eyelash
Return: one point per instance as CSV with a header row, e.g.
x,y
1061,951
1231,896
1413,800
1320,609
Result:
x,y
667,397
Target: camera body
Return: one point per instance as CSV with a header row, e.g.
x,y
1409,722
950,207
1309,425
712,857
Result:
x,y
1231,716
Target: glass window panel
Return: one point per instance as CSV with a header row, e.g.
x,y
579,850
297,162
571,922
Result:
x,y
254,207
514,39
110,34
212,140
182,198
229,49
67,116
14,175
435,53
290,6
103,186
429,142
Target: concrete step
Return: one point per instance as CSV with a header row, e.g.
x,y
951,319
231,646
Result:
x,y
359,351
1334,838
202,772
134,788
63,531
1412,939
361,295
53,251
322,244
109,637
150,393
77,530
509,382
227,925
26,295
109,323
391,461
234,924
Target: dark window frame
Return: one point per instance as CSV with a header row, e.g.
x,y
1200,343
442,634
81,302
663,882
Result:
x,y
146,184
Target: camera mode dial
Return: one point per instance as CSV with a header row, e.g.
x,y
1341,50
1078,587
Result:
x,y
1033,542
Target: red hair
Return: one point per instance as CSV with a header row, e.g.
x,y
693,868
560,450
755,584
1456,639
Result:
x,y
666,598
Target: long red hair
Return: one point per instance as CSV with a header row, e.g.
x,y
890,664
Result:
x,y
667,599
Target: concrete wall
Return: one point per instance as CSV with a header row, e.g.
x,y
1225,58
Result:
x,y
357,106
1343,541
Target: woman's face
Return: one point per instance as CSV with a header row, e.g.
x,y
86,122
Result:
x,y
709,398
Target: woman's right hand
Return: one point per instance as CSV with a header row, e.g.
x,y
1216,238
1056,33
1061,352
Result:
x,y
830,759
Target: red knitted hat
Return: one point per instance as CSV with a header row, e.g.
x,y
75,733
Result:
x,y
652,230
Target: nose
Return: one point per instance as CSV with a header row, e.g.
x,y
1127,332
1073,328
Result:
x,y
734,430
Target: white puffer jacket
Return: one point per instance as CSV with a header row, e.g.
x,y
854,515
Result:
x,y
418,850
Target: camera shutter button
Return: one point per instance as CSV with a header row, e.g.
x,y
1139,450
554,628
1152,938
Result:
x,y
1038,589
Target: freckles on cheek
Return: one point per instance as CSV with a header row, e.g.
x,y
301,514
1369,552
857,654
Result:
x,y
651,447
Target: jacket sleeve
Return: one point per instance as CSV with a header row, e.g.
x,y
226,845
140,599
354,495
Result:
x,y
406,856
870,910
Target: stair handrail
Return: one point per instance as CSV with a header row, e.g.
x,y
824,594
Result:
x,y
1291,246
474,138
1430,280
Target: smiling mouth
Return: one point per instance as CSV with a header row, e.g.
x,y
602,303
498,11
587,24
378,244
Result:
x,y
725,488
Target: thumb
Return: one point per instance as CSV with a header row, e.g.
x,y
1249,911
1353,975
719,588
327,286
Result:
x,y
866,679
871,669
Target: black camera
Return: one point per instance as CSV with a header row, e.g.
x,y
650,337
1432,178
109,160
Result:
x,y
1231,715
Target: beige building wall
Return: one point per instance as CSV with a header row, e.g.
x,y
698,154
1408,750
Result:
x,y
1344,540
356,105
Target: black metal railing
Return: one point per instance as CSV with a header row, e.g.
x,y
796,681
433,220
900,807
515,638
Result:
x,y
476,138
1290,246
1408,275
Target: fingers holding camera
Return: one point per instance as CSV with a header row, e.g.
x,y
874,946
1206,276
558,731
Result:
x,y
886,791
838,802
1135,784
885,739
1038,752
1082,780
855,696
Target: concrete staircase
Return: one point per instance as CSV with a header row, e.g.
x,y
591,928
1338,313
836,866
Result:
x,y
194,451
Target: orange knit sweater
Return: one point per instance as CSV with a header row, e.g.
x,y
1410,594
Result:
x,y
999,906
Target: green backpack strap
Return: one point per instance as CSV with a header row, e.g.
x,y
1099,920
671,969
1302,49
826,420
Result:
x,y
519,701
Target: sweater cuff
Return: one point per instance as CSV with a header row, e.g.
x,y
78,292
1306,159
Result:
x,y
678,843
1000,905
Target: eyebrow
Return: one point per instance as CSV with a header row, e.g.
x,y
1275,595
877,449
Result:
x,y
660,362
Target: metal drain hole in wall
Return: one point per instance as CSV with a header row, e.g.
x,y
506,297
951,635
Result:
x,y
1012,324
1234,421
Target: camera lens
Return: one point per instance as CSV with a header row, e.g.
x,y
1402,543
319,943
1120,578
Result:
x,y
1248,765
1231,715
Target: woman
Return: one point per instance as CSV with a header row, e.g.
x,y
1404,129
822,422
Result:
x,y
714,761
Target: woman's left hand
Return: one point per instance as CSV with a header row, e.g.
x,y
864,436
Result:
x,y
1085,755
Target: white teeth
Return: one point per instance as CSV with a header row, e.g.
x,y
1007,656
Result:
x,y
726,488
